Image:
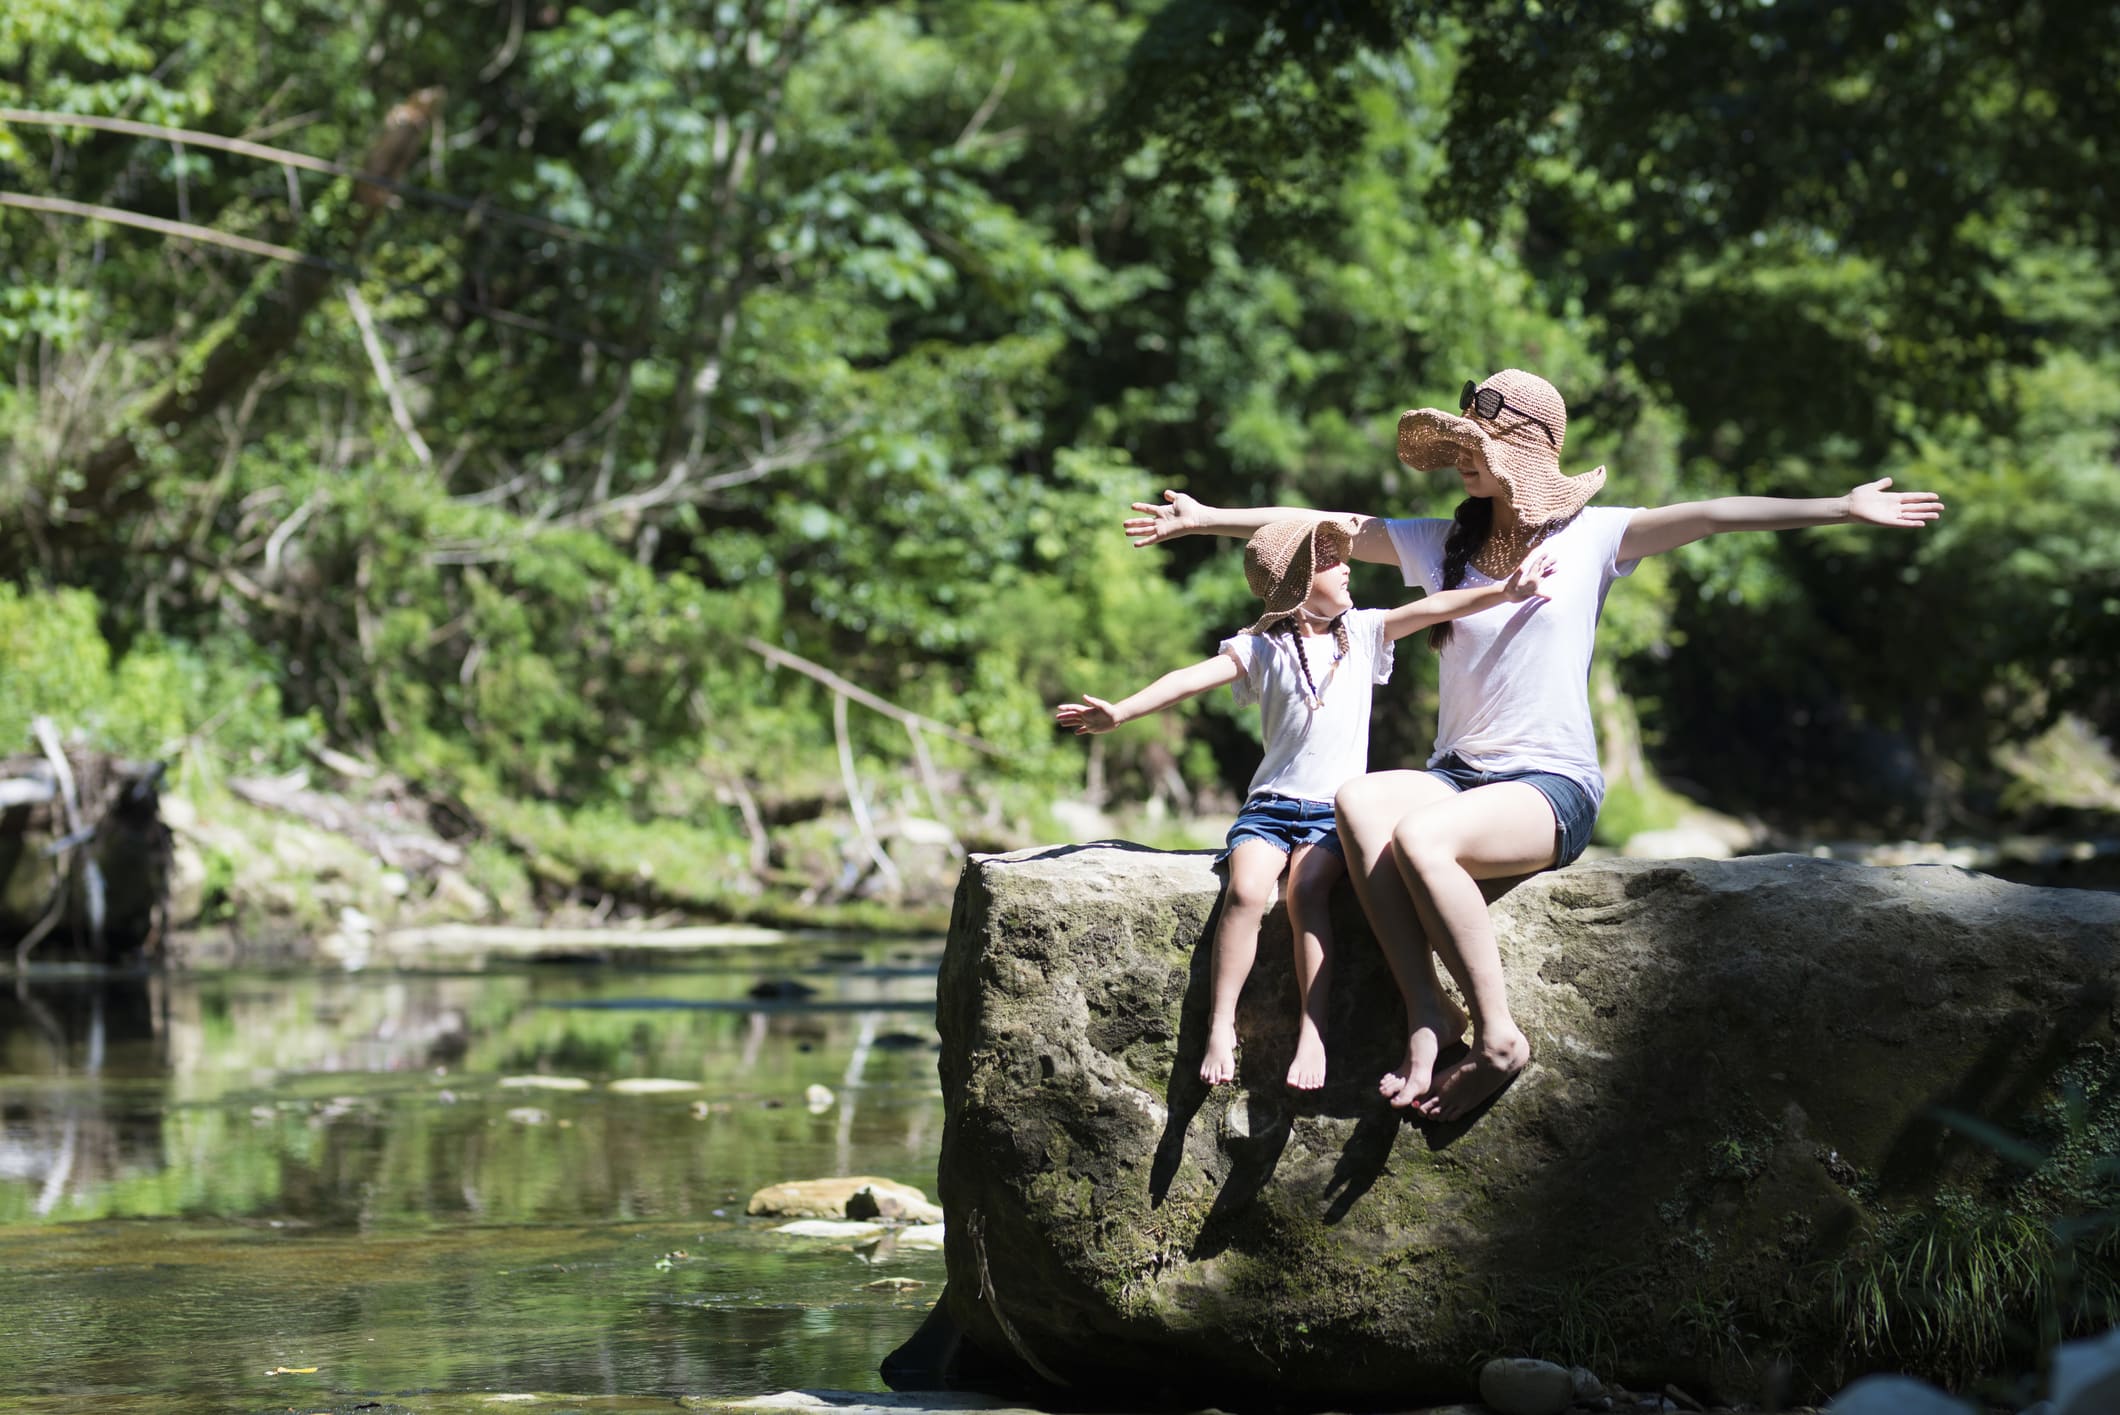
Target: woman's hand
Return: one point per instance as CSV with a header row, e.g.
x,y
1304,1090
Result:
x,y
1180,515
1527,581
1879,507
1089,715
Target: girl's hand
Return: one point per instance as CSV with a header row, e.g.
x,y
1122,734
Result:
x,y
1527,581
1879,507
1178,516
1089,715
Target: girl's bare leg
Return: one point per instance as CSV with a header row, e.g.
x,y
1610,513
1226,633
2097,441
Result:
x,y
1312,872
1443,852
1370,808
1254,874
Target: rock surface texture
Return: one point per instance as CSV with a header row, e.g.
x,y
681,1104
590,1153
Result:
x,y
1734,1069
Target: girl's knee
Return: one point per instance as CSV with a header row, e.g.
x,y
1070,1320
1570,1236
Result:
x,y
1310,891
1250,893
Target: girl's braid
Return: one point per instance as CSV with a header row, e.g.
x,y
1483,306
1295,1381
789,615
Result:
x,y
1340,642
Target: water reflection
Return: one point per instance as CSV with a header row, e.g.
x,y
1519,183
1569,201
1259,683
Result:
x,y
204,1179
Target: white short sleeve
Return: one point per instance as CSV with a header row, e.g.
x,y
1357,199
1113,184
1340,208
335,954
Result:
x,y
1609,524
1419,546
1244,648
1365,629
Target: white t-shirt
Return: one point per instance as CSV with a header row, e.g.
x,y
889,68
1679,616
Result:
x,y
1516,677
1311,754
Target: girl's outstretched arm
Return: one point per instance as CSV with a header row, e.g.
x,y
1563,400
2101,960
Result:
x,y
1527,581
1096,715
1660,528
1181,515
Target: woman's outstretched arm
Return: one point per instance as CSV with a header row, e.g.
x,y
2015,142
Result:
x,y
1181,515
1660,528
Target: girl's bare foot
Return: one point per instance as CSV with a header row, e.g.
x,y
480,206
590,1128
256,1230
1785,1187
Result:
x,y
1494,1060
1307,1071
1429,1035
1220,1063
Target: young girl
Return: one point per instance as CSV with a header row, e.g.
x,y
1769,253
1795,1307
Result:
x,y
1308,662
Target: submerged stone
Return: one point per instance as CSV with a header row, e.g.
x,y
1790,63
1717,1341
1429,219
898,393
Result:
x,y
1521,1386
1737,1069
1895,1395
829,1198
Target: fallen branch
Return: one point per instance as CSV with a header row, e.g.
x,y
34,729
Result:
x,y
782,658
857,804
81,865
381,363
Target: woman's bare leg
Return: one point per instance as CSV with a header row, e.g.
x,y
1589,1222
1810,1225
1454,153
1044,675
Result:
x,y
1370,808
1254,873
1443,851
1312,872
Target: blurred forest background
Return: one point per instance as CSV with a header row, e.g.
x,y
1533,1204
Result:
x,y
690,471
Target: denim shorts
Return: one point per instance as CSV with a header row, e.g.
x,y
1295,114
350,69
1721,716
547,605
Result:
x,y
1284,823
1574,813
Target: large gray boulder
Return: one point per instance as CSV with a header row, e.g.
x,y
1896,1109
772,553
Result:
x,y
1730,1109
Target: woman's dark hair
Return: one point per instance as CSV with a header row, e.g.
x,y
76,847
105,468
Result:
x,y
1468,532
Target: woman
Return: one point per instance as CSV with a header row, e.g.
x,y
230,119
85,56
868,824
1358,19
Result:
x,y
1513,786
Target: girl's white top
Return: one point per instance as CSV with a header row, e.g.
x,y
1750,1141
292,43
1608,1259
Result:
x,y
1516,677
1310,754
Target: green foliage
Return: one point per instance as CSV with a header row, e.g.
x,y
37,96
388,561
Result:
x,y
1632,806
852,330
606,849
160,698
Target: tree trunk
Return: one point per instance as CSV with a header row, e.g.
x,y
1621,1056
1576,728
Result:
x,y
265,325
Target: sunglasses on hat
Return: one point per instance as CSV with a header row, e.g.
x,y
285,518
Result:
x,y
1489,402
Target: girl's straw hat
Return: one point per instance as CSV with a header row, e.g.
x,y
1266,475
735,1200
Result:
x,y
1280,558
1520,445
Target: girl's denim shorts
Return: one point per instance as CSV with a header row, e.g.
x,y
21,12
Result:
x,y
1284,823
1574,813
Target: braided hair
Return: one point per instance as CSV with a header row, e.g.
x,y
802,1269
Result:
x,y
1316,695
1469,529
1468,532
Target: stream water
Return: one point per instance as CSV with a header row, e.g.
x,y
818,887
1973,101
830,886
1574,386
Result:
x,y
246,1191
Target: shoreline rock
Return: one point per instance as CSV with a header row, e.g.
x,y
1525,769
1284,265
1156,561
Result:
x,y
1735,1069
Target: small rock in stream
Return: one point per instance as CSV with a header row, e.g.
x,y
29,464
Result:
x,y
1522,1386
1895,1395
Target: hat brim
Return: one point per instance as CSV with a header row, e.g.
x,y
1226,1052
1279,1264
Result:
x,y
1336,535
1431,439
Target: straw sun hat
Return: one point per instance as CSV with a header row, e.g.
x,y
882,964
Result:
x,y
1519,443
1280,558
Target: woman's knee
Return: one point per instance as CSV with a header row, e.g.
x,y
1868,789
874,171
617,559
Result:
x,y
1423,849
1370,799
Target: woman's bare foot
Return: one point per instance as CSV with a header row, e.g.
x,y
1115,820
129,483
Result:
x,y
1494,1060
1307,1071
1220,1063
1429,1035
